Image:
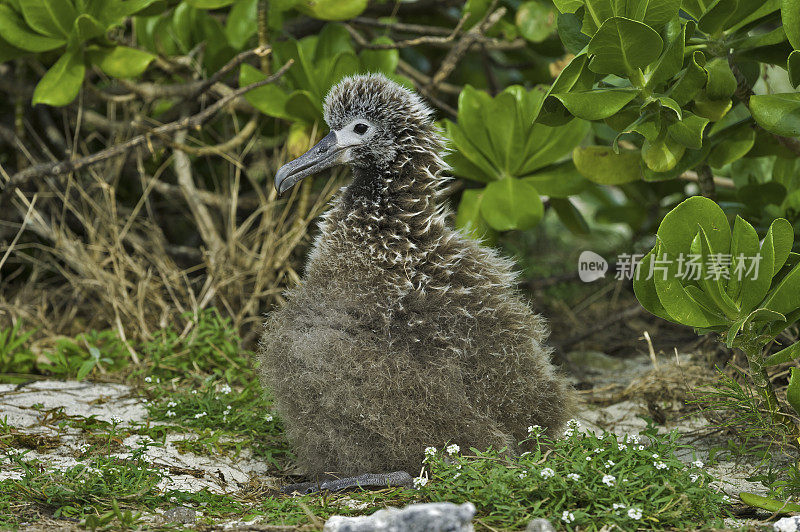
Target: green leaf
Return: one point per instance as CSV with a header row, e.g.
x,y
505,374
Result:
x,y
88,27
721,81
790,15
14,30
717,15
680,225
60,85
673,296
53,18
302,105
783,298
710,281
744,244
380,60
596,104
209,4
568,6
777,113
85,369
240,26
645,289
714,110
622,45
570,216
793,66
121,61
559,181
468,217
269,99
693,78
333,9
793,391
771,505
470,152
654,13
602,165
782,241
784,355
662,154
670,61
535,20
511,204
689,130
733,147
569,31
757,277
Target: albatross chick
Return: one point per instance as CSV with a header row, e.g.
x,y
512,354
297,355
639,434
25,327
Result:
x,y
404,332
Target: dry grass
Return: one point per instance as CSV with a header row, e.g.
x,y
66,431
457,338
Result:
x,y
152,238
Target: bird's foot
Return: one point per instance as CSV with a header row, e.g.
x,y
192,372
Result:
x,y
369,480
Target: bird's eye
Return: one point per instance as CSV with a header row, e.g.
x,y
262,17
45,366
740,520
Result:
x,y
360,128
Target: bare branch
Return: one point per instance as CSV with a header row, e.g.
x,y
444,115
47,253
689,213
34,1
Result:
x,y
68,166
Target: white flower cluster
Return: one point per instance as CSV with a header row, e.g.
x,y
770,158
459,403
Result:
x,y
698,464
547,473
660,465
573,476
420,482
170,413
609,480
610,464
225,389
453,449
200,414
567,516
430,452
635,513
572,426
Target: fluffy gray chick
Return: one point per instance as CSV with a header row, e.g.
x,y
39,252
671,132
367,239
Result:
x,y
404,332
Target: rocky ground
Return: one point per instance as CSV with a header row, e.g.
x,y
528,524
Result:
x,y
623,390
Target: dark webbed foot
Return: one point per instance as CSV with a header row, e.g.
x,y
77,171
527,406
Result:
x,y
369,480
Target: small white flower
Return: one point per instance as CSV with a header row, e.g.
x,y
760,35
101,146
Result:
x,y
269,418
597,450
194,392
698,463
589,458
420,482
458,466
453,448
148,379
609,480
618,506
635,513
116,420
573,476
456,475
622,446
609,464
656,456
228,407
547,473
170,413
158,380
641,447
574,424
429,452
523,474
567,516
225,389
200,414
660,465
693,477
726,499
172,404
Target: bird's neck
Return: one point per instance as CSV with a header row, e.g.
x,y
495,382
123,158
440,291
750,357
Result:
x,y
402,198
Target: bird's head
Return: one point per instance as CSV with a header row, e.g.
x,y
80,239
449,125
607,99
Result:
x,y
372,120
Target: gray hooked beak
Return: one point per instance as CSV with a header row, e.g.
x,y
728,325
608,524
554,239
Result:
x,y
324,154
